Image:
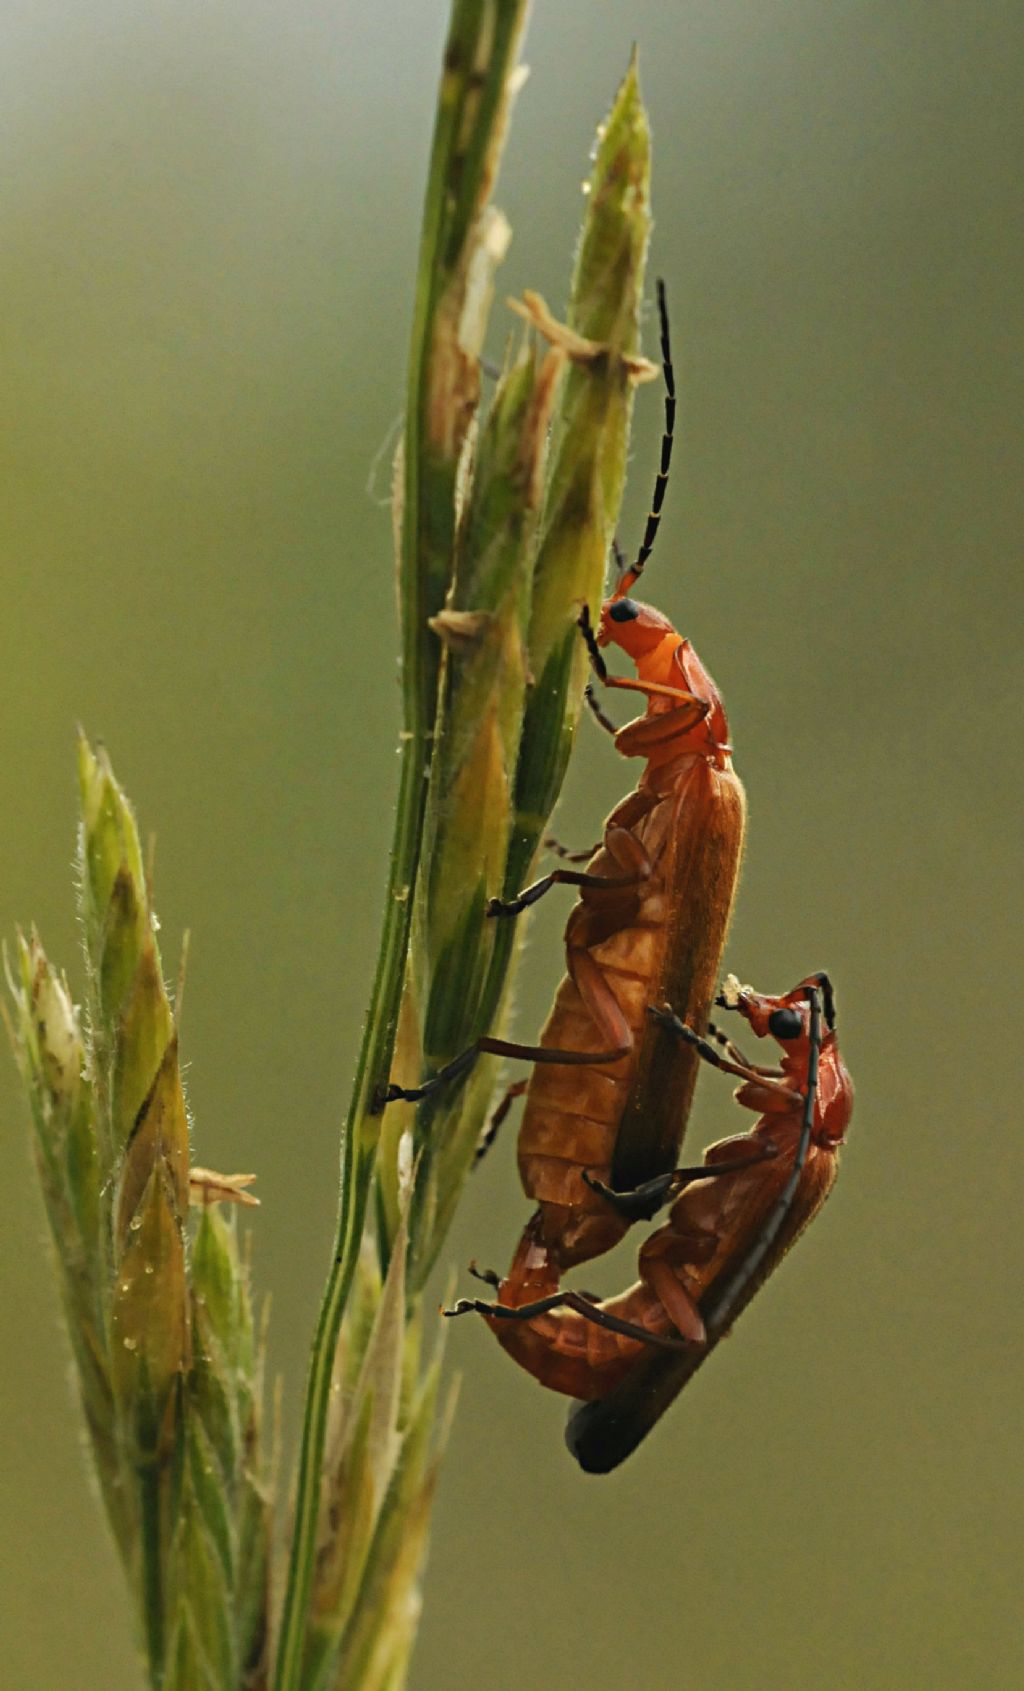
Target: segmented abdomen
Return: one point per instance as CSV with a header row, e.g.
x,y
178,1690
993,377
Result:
x,y
572,1114
567,1353
623,1120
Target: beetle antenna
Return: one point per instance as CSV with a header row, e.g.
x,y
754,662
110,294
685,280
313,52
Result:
x,y
828,996
632,575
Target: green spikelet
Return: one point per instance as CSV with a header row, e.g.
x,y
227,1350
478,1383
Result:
x,y
602,340
471,807
380,1469
146,1135
463,238
531,542
504,514
223,1554
483,631
503,539
169,1370
51,1053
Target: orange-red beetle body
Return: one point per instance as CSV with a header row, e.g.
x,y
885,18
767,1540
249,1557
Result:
x,y
621,1120
699,1270
659,938
610,1091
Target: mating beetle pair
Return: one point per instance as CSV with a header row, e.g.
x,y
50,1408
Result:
x,y
615,1069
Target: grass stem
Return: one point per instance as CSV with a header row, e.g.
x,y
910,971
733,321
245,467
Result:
x,y
444,378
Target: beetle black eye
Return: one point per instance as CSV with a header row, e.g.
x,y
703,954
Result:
x,y
785,1024
624,610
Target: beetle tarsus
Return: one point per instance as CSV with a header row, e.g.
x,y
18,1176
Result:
x,y
642,1203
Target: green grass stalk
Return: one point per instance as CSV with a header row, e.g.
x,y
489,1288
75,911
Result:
x,y
503,525
113,1152
479,60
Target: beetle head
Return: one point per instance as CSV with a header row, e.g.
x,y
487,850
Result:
x,y
634,626
787,1019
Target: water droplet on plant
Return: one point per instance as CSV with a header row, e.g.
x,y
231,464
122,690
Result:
x,y
584,187
131,1344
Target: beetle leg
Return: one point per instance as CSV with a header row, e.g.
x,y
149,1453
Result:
x,y
733,1051
650,689
729,1046
393,1094
551,844
492,1127
644,734
676,1300
703,1047
622,846
598,996
596,712
594,652
487,1275
685,700
615,1324
641,1204
531,894
564,1300
644,1201
507,1312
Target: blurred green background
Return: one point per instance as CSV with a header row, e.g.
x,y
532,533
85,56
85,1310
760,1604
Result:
x,y
210,217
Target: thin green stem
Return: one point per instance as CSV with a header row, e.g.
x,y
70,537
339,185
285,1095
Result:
x,y
153,1607
357,1165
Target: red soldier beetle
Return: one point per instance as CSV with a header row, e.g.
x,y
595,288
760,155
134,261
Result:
x,y
601,1433
611,1088
731,1222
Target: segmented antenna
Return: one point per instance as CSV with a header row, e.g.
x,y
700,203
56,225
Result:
x,y
635,571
